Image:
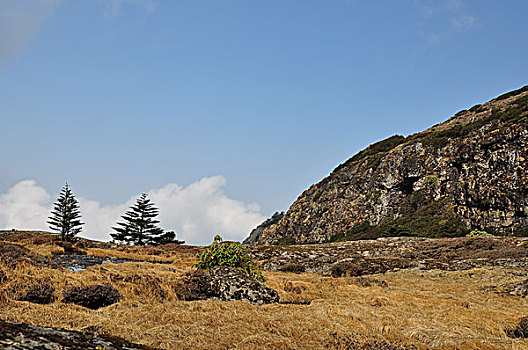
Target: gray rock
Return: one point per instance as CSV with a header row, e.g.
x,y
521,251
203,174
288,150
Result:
x,y
21,336
229,283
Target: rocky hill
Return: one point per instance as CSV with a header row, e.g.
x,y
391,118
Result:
x,y
468,173
257,231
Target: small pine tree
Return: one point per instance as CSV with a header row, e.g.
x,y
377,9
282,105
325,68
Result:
x,y
140,227
65,216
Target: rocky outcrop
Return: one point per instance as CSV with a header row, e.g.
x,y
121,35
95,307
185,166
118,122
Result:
x,y
229,283
254,236
20,336
367,257
468,173
225,283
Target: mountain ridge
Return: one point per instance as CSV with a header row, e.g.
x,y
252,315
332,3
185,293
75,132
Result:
x,y
467,173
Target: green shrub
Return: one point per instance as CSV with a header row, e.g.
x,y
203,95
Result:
x,y
286,240
476,233
397,231
228,254
382,146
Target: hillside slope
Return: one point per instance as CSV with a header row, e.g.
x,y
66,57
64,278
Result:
x,y
468,173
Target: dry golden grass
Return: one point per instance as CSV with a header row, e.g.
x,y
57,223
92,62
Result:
x,y
430,309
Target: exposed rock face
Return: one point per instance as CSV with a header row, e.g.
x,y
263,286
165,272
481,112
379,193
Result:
x,y
19,336
229,283
469,172
254,236
367,257
225,283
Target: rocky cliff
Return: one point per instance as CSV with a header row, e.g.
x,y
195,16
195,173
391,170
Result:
x,y
468,173
254,236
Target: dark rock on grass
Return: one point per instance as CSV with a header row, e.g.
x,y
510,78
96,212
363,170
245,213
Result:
x,y
21,336
520,331
37,291
92,297
225,283
196,285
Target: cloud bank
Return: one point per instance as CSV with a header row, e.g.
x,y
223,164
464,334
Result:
x,y
196,212
19,22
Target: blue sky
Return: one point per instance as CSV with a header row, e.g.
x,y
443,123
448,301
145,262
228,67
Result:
x,y
254,100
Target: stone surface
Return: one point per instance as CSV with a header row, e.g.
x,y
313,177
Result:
x,y
366,257
470,172
21,336
229,283
81,262
225,283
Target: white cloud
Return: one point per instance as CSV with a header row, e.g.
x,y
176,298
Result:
x,y
25,206
114,7
463,23
196,212
442,19
20,20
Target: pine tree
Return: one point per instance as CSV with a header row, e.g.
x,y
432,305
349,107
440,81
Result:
x,y
140,227
65,216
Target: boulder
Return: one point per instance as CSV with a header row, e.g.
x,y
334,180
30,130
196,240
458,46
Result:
x,y
225,283
229,283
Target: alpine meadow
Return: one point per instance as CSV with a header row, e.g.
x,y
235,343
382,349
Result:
x,y
272,174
